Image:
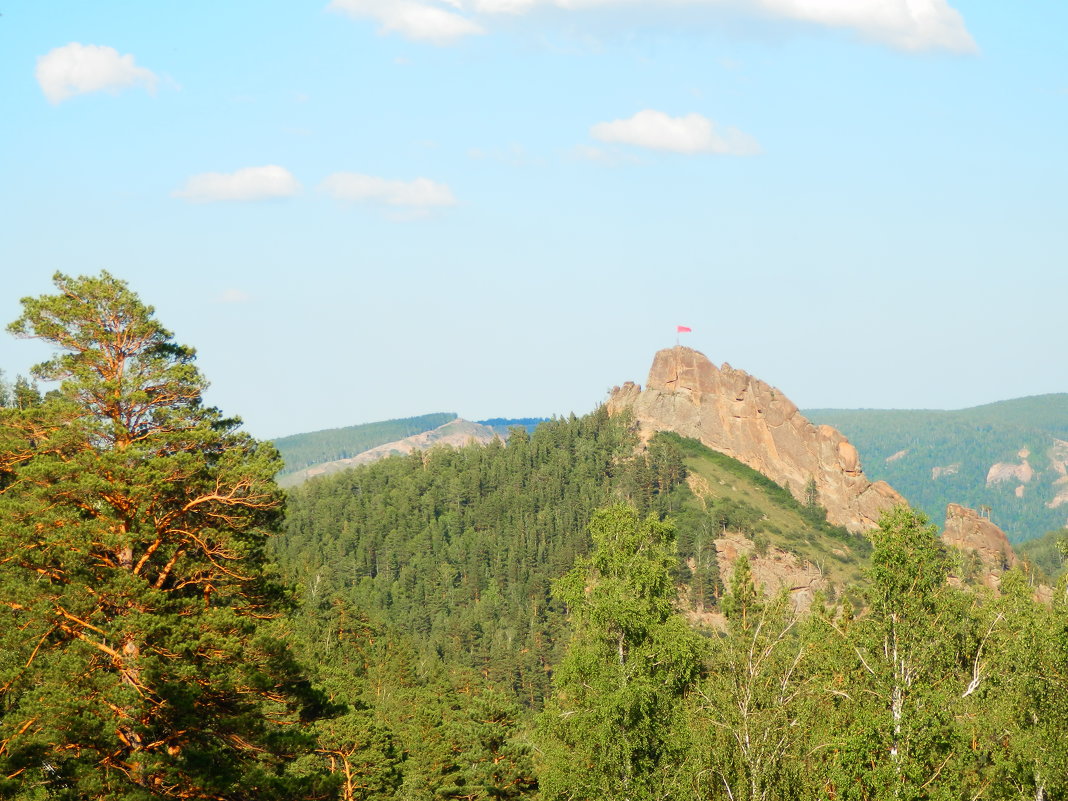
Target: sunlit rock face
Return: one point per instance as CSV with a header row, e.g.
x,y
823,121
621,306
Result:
x,y
734,413
967,530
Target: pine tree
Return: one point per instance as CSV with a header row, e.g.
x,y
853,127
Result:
x,y
142,658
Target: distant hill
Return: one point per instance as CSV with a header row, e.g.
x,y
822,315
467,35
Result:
x,y
503,425
1011,456
456,433
304,450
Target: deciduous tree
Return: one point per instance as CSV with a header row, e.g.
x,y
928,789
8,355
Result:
x,y
614,727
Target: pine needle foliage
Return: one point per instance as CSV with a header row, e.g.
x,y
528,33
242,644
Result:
x,y
141,658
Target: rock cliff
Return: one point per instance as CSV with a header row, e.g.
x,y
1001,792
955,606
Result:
x,y
734,413
968,531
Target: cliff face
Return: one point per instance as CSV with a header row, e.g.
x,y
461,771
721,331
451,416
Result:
x,y
733,413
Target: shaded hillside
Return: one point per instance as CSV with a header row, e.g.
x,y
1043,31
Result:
x,y
1010,456
316,447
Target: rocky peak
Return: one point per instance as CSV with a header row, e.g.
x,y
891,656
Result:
x,y
734,413
970,532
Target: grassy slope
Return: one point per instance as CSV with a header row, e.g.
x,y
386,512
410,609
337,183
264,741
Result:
x,y
726,485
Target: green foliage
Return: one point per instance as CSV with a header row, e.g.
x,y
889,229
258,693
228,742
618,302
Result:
x,y
408,728
460,546
898,674
1049,553
750,717
1024,700
138,660
613,726
304,450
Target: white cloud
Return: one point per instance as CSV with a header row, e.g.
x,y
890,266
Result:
x,y
608,158
77,69
250,183
692,133
234,296
420,193
905,24
415,20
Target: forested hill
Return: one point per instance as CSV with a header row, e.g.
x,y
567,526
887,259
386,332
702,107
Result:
x,y
1010,456
459,546
303,450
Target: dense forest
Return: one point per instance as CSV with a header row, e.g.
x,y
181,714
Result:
x,y
501,622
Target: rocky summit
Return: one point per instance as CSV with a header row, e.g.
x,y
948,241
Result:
x,y
734,413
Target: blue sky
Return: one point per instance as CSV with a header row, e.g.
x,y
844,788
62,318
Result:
x,y
368,209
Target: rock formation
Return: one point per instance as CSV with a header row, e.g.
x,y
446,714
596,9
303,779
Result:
x,y
733,413
773,570
968,531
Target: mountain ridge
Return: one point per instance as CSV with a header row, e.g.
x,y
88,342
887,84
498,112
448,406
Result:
x,y
1010,456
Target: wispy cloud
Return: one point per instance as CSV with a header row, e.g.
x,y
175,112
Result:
x,y
515,155
692,133
233,296
903,24
426,21
421,193
250,183
599,155
77,69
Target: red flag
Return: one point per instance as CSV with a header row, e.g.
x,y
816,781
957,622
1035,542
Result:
x,y
683,329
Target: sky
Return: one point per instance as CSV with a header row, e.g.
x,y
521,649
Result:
x,y
358,210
